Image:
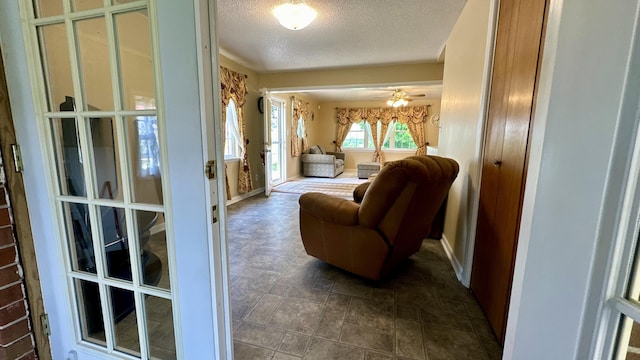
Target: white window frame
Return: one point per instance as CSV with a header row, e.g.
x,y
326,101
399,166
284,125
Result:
x,y
367,136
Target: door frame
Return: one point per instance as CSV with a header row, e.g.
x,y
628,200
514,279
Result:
x,y
209,329
282,145
22,225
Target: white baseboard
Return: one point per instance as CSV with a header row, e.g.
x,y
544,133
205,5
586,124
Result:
x,y
457,267
241,197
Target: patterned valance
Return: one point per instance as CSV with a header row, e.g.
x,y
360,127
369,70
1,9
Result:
x,y
233,86
405,114
301,109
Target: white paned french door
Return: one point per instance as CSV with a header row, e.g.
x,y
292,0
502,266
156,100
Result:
x,y
120,89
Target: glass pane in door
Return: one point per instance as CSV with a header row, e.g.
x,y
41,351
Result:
x,y
125,323
136,65
162,343
68,156
106,169
629,347
45,8
80,5
115,242
144,159
90,309
95,69
153,249
57,72
78,229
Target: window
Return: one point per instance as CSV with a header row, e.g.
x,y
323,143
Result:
x,y
399,137
232,142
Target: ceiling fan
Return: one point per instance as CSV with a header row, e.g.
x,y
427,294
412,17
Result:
x,y
401,98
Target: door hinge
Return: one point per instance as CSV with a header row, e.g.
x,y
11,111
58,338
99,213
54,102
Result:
x,y
214,214
44,320
17,157
210,169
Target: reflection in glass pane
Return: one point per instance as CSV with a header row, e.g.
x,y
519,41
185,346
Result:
x,y
78,228
144,156
57,66
106,158
45,8
116,244
80,5
153,249
68,157
629,340
136,68
125,324
162,343
90,311
93,52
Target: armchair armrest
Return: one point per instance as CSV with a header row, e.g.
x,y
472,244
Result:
x,y
330,208
338,155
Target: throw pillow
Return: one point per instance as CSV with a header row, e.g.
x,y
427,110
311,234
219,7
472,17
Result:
x,y
321,149
315,150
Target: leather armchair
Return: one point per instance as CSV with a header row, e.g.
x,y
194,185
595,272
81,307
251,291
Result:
x,y
395,215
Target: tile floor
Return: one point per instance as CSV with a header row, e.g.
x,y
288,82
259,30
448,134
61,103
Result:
x,y
288,305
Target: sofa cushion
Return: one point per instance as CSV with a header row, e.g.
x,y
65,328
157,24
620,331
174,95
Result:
x,y
315,149
321,149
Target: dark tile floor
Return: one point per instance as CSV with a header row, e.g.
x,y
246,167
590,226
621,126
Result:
x,y
288,305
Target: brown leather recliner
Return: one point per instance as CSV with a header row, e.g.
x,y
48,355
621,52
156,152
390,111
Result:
x,y
389,225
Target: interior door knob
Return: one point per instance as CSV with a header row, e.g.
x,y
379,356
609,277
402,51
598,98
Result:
x,y
497,163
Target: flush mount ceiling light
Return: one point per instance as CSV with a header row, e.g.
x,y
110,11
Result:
x,y
294,15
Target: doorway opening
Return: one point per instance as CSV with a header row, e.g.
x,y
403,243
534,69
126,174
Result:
x,y
278,141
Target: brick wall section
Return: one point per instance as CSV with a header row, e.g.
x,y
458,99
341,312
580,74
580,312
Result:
x,y
16,336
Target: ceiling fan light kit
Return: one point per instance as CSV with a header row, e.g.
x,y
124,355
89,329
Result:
x,y
295,15
398,98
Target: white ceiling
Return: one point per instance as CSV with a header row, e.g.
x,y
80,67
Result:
x,y
381,93
346,33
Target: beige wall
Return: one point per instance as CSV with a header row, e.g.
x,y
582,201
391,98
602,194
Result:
x,y
254,126
326,123
462,118
371,75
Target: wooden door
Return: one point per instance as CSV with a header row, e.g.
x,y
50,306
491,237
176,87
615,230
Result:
x,y
518,46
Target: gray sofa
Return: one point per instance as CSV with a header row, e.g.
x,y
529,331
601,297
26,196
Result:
x,y
319,163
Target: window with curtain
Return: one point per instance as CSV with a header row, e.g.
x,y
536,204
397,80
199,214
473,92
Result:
x,y
399,138
359,137
232,144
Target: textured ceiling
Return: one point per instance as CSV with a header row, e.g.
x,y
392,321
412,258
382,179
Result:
x,y
345,33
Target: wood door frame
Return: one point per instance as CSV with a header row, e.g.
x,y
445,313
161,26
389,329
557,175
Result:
x,y
22,223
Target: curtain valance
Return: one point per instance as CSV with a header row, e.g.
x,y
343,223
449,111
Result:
x,y
405,114
233,85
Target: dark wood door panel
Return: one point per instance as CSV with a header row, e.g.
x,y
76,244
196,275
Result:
x,y
518,39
